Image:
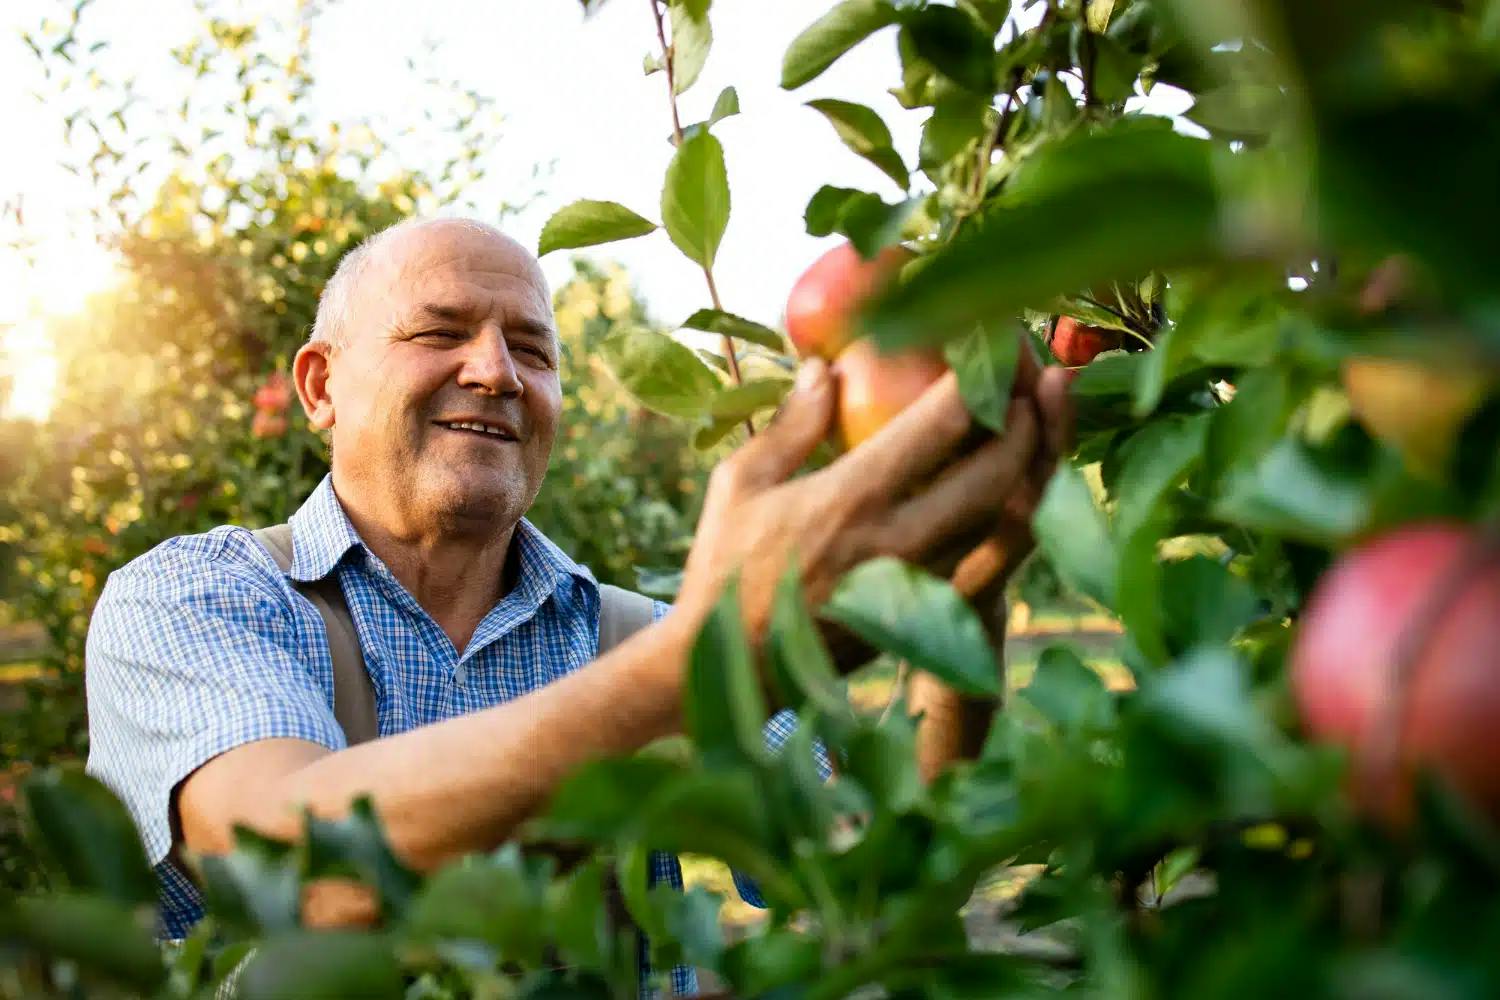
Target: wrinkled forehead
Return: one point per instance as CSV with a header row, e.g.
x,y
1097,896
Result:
x,y
461,267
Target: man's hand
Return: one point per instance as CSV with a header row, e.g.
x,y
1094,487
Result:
x,y
913,491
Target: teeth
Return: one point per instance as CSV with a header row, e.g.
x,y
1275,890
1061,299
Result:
x,y
471,426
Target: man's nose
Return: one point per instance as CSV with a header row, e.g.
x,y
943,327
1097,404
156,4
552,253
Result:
x,y
488,365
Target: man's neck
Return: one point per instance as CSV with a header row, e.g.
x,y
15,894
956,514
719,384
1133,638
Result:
x,y
457,579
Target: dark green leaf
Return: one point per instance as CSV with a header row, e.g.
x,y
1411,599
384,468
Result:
x,y
586,223
799,661
695,199
723,707
872,225
356,846
490,900
1114,70
692,921
88,835
912,614
863,131
691,39
829,37
718,321
660,373
882,758
959,47
579,925
1204,603
1068,693
254,887
103,936
985,361
602,800
1074,535
827,206
323,965
780,957
1078,208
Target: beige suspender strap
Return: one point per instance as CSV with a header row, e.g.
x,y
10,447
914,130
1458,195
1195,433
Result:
x,y
621,614
353,694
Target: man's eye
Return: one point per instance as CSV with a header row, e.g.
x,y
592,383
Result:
x,y
442,334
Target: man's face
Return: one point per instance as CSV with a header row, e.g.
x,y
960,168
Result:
x,y
447,325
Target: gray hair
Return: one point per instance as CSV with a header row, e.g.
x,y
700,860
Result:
x,y
330,326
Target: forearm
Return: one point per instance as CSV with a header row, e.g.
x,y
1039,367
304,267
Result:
x,y
465,783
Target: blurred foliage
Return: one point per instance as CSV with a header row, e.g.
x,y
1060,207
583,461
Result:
x,y
174,413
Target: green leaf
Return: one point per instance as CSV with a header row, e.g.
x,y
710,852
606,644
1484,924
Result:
x,y
712,432
663,584
726,105
692,921
1078,209
723,706
88,835
1294,492
863,131
882,758
602,799
799,662
1115,70
872,225
1204,603
827,206
691,39
912,614
255,887
102,935
491,900
1068,693
660,373
957,122
579,924
740,402
955,44
355,846
1074,535
727,323
323,965
985,361
1154,461
587,223
695,200
779,957
830,36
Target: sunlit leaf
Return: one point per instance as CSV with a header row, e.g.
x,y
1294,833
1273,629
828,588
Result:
x,y
587,223
829,37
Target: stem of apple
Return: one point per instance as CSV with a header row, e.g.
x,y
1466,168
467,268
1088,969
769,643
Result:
x,y
708,272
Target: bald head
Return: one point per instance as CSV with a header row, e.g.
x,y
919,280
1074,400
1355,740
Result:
x,y
385,252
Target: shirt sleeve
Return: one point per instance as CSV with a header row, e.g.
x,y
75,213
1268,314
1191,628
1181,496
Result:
x,y
190,653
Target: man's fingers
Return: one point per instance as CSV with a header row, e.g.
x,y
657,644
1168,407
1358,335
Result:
x,y
1056,409
914,445
803,421
969,495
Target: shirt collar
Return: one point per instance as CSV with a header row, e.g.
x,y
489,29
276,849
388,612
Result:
x,y
322,534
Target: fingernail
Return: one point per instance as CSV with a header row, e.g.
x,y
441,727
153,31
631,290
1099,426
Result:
x,y
811,373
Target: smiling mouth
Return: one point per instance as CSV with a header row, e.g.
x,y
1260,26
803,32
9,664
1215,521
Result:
x,y
474,429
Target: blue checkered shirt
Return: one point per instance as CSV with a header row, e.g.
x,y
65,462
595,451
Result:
x,y
203,644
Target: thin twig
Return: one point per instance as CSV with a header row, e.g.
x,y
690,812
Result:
x,y
668,58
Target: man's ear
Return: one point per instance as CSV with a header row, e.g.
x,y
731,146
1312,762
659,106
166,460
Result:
x,y
310,372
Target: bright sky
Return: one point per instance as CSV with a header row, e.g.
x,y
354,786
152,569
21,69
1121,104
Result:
x,y
574,94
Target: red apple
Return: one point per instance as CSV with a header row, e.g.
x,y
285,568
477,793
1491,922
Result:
x,y
1076,344
821,308
874,387
1397,660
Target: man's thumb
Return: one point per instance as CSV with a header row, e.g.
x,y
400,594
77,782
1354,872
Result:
x,y
802,423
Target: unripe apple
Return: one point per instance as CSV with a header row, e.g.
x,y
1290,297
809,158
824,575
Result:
x,y
1397,660
874,387
821,308
1416,408
1076,344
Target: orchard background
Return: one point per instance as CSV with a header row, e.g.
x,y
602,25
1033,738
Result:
x,y
1283,778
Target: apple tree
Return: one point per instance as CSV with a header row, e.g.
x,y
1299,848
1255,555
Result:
x,y
1281,307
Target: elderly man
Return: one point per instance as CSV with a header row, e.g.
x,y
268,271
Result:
x,y
434,366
